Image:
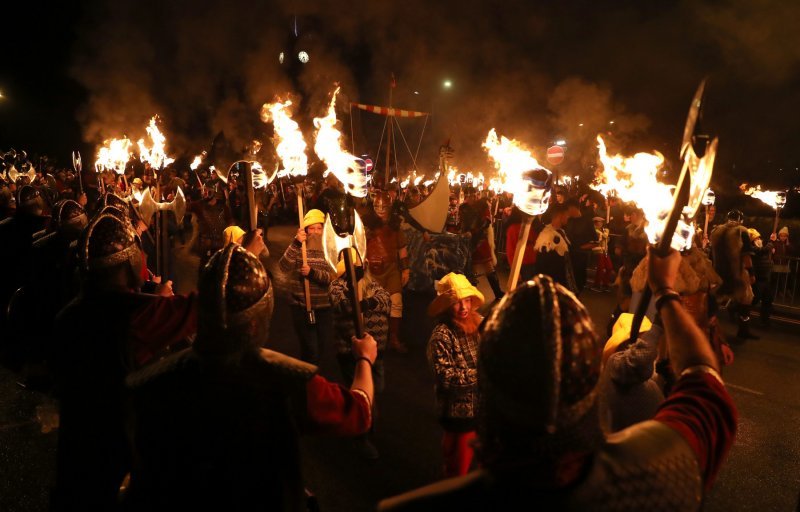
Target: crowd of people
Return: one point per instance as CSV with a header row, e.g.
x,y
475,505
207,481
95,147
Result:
x,y
176,400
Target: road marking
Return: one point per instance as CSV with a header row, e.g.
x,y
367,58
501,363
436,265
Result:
x,y
742,388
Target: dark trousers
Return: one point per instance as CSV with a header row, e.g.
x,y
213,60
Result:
x,y
313,338
763,292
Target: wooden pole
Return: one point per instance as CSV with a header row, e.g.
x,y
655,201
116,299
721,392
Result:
x,y
358,320
306,285
389,143
777,216
519,252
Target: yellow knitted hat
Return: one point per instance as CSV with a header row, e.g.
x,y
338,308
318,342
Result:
x,y
313,217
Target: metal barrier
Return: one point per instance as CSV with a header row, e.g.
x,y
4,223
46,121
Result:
x,y
786,284
499,227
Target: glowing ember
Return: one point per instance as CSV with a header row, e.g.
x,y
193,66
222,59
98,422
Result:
x,y
418,180
517,167
289,142
155,155
114,156
774,198
328,147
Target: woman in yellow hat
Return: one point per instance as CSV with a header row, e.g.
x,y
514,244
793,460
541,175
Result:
x,y
313,337
453,356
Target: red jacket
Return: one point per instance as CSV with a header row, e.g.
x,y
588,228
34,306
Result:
x,y
512,235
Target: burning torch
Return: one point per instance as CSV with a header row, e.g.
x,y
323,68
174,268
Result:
x,y
689,194
343,228
291,149
530,183
155,155
774,198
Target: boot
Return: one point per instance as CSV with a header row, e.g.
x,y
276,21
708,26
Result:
x,y
394,336
744,330
494,282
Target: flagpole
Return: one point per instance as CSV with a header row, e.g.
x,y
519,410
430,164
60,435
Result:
x,y
389,135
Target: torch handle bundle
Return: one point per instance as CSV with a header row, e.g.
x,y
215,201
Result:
x,y
306,285
519,252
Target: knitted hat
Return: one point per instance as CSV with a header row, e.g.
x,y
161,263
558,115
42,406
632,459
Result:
x,y
753,234
232,234
784,229
449,290
313,217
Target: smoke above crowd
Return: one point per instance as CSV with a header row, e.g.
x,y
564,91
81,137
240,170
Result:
x,y
538,72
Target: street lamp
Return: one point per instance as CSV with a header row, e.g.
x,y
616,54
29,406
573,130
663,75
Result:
x,y
447,84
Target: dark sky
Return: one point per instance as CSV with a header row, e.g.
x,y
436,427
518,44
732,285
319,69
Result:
x,y
76,73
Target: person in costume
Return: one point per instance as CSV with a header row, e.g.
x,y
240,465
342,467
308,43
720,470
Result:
x,y
552,247
476,219
387,260
453,356
216,426
109,330
376,305
732,255
539,437
316,337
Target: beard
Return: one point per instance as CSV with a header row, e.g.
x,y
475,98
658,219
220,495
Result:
x,y
470,324
314,242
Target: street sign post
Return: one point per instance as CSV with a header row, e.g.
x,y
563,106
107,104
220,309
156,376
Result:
x,y
555,155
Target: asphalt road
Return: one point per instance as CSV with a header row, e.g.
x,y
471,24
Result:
x,y
762,473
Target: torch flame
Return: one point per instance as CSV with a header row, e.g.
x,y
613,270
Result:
x,y
451,176
114,156
155,155
513,162
774,198
341,163
634,179
290,145
197,161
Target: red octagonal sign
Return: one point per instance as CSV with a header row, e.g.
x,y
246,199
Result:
x,y
555,155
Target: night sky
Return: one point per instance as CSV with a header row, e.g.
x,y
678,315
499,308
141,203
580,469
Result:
x,y
76,73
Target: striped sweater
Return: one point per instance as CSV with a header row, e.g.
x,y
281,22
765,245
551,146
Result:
x,y
319,278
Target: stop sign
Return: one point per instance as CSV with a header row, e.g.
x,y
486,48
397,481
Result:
x,y
555,155
368,164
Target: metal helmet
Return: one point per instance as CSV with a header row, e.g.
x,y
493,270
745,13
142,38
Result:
x,y
538,369
234,289
108,242
736,216
114,200
68,215
29,200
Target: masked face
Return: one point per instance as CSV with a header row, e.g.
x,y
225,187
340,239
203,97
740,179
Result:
x,y
382,206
